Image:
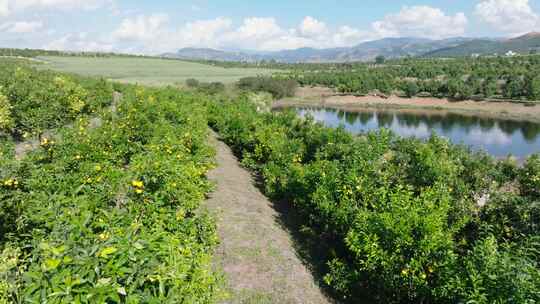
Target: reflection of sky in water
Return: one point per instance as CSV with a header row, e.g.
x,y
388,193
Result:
x,y
497,137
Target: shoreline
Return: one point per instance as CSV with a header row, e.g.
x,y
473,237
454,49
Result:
x,y
326,98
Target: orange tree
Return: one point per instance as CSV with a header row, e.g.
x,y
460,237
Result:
x,y
398,218
110,214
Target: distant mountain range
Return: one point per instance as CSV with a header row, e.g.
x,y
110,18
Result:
x,y
367,51
521,45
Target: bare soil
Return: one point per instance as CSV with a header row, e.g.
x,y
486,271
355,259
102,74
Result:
x,y
257,254
326,97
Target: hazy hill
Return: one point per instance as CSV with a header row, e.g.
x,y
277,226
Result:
x,y
366,51
523,45
397,47
388,47
210,54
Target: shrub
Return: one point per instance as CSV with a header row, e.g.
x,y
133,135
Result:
x,y
74,95
6,120
529,177
212,88
494,273
192,83
109,214
42,100
511,217
402,248
411,89
398,217
277,87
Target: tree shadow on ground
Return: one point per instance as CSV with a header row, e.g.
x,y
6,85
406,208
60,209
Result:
x,y
312,249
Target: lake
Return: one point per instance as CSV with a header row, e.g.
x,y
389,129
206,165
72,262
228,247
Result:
x,y
498,137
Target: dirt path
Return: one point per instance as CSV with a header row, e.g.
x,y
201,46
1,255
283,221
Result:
x,y
256,253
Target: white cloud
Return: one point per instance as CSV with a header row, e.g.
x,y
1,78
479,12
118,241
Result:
x,y
154,34
311,27
348,36
78,42
157,33
203,32
4,8
22,27
141,28
258,28
510,16
421,21
255,33
495,136
266,35
57,4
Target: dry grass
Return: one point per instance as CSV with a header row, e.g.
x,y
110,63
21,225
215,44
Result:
x,y
256,253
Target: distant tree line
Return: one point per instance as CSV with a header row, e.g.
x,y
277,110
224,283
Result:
x,y
32,53
283,66
29,53
460,79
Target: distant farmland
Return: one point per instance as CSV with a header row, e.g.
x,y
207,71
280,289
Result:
x,y
147,71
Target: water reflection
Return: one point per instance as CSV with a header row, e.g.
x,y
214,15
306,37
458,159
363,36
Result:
x,y
497,137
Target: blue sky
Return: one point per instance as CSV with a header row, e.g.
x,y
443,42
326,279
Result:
x,y
159,26
352,12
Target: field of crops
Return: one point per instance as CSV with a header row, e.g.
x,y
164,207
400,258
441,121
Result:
x,y
106,210
148,71
400,220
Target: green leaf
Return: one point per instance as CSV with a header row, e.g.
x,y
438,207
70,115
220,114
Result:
x,y
67,260
58,250
104,282
104,253
51,264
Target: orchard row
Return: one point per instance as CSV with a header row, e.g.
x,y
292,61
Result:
x,y
400,220
106,210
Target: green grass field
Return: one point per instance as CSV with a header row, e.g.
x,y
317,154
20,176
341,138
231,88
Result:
x,y
148,71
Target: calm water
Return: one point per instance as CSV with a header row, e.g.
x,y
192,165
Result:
x,y
500,138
